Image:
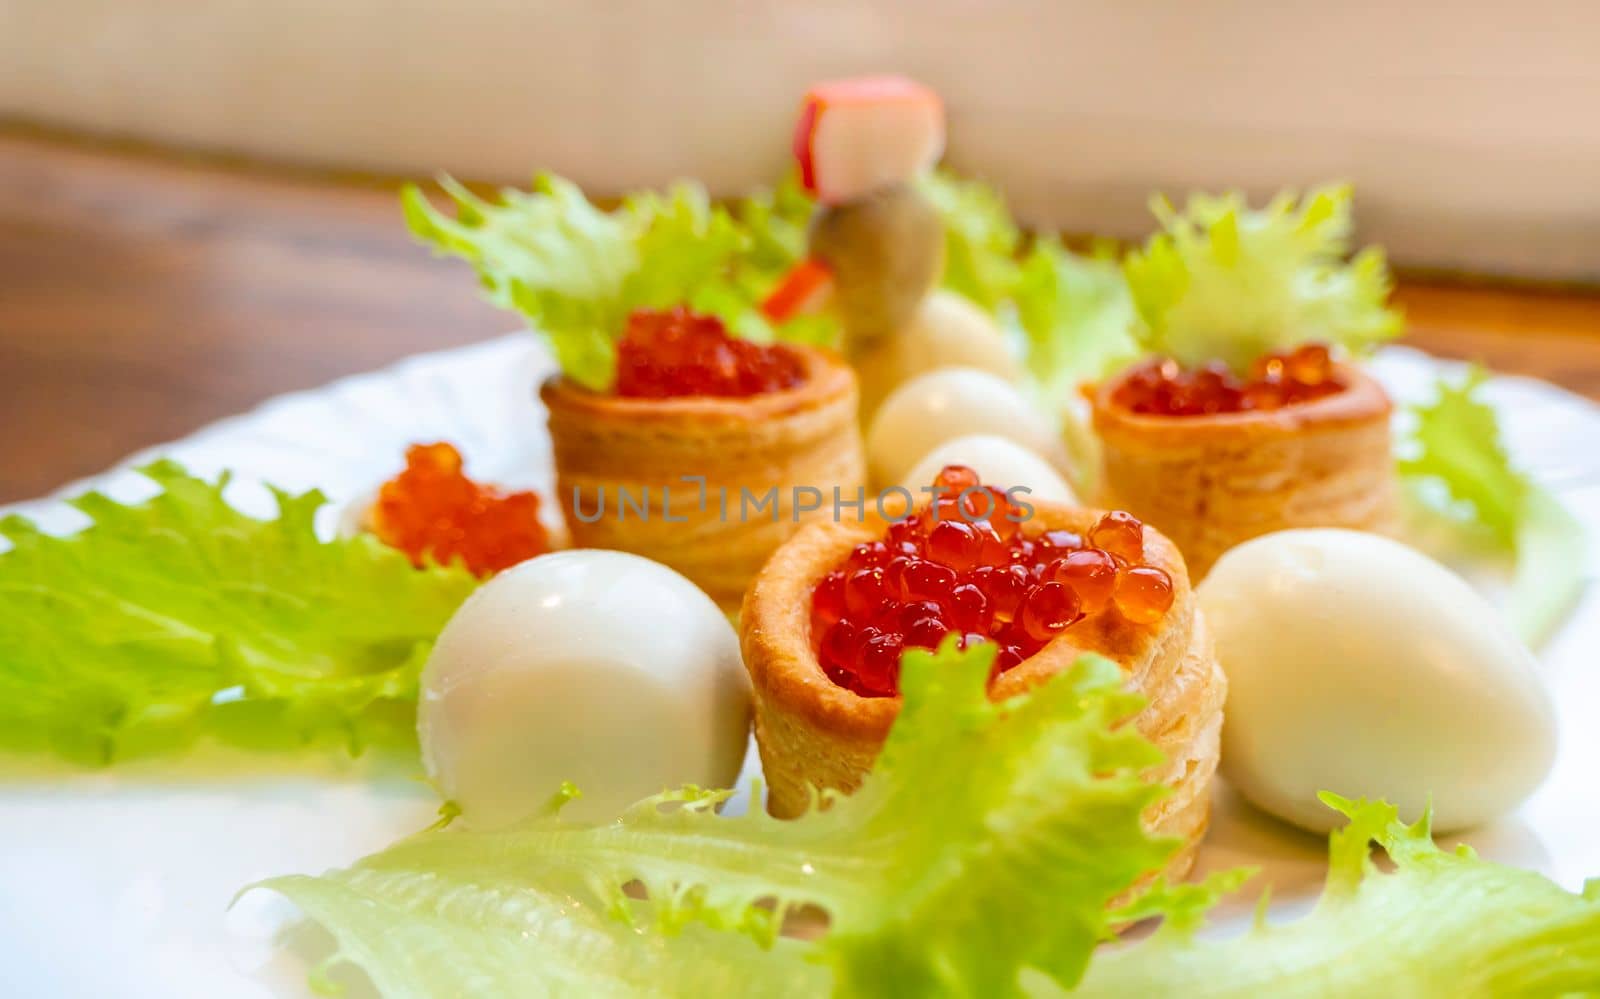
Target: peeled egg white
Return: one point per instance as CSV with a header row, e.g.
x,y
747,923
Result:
x,y
998,461
947,331
948,403
598,667
1358,665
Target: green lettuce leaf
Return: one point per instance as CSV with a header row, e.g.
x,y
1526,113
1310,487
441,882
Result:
x,y
1071,312
1222,282
419,934
931,886
548,254
1076,316
995,884
1440,924
1457,443
179,616
982,242
575,271
685,248
777,221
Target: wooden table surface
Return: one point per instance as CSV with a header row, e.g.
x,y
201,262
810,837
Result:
x,y
143,296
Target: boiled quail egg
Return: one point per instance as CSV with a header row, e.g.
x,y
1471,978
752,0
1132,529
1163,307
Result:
x,y
949,403
597,667
1360,666
946,331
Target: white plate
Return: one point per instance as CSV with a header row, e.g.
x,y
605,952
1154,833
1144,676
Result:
x,y
118,882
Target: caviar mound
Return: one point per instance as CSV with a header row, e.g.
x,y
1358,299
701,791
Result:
x,y
672,353
432,512
1214,480
1159,387
963,566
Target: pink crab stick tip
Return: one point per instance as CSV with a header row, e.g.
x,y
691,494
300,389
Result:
x,y
858,135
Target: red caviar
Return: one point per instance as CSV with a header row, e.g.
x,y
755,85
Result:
x,y
434,513
1162,388
947,569
671,353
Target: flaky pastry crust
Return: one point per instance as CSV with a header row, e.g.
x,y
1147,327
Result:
x,y
608,447
1211,482
813,733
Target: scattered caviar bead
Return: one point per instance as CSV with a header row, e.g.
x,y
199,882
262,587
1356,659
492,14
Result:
x,y
1308,365
1120,533
839,675
953,479
839,643
871,553
1267,368
904,615
1012,633
1006,658
1091,573
827,601
864,591
944,508
1010,585
926,633
1061,541
673,352
1024,552
956,544
433,513
1162,388
929,581
1005,520
894,576
879,669
904,531
993,549
1262,395
1048,610
1143,593
979,503
969,608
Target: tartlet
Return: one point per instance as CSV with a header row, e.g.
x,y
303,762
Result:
x,y
1212,481
605,445
814,733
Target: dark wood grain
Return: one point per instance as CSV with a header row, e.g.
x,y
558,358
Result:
x,y
143,296
1552,334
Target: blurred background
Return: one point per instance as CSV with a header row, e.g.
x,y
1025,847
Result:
x,y
197,209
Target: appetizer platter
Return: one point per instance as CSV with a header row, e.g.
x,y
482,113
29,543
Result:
x,y
838,591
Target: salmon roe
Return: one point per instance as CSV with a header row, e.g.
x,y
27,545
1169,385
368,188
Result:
x,y
963,565
670,353
434,513
1162,388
